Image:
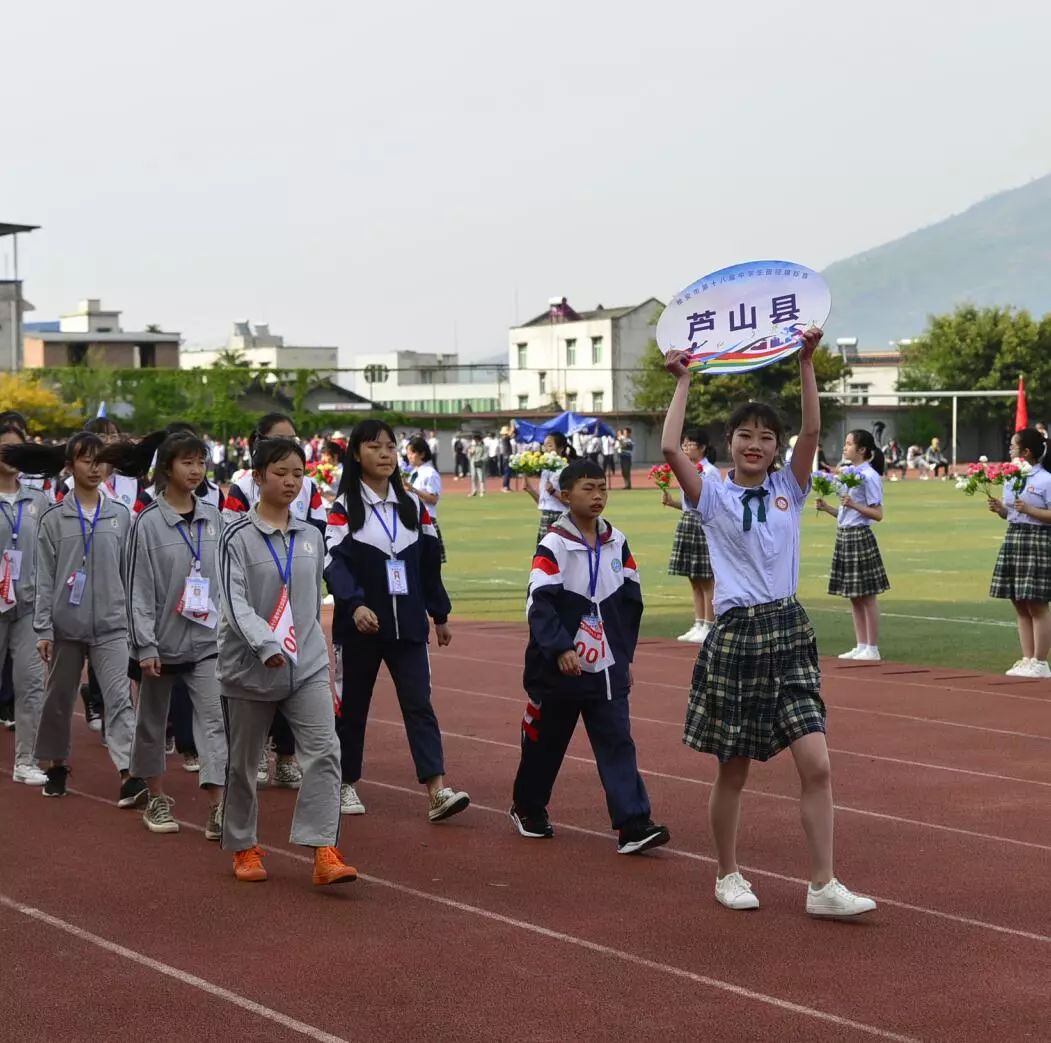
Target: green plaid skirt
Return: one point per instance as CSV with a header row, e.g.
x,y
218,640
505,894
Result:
x,y
689,552
1023,566
857,567
757,684
547,519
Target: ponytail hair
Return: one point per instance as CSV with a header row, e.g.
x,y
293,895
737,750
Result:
x,y
266,423
1035,442
866,442
175,447
131,457
49,461
350,482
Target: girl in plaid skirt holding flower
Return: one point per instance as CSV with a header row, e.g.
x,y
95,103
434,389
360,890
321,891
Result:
x,y
1023,567
757,686
689,551
857,567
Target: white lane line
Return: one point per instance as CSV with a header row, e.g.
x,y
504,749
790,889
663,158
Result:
x,y
845,808
484,914
846,753
310,1031
938,914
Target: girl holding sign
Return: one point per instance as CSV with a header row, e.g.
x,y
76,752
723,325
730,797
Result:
x,y
757,686
857,568
689,552
273,656
172,596
1023,566
80,607
384,570
21,509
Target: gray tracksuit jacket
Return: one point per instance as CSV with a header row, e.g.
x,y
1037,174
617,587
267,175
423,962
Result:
x,y
250,586
33,504
101,613
158,564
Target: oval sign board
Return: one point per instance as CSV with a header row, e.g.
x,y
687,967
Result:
x,y
744,317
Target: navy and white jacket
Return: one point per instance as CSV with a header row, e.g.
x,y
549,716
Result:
x,y
559,597
356,571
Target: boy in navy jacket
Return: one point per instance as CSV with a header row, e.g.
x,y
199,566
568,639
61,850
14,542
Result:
x,y
584,609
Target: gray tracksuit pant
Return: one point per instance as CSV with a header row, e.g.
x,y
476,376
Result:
x,y
308,711
18,636
209,732
109,660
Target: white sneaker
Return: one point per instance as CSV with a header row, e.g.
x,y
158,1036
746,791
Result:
x,y
1037,668
349,801
735,892
869,655
852,654
835,901
328,599
446,803
30,774
690,635
262,774
1020,669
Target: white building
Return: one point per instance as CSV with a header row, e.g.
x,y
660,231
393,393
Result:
x,y
429,382
581,361
261,349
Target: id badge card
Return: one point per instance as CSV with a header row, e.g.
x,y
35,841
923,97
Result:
x,y
591,645
14,559
195,593
76,583
397,580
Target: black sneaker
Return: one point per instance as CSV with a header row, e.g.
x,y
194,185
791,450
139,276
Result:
x,y
537,827
641,836
56,781
132,791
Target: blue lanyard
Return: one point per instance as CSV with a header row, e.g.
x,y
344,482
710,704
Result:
x,y
84,535
16,522
197,553
592,568
392,536
284,571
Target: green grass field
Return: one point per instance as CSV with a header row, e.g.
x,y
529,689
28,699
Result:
x,y
939,547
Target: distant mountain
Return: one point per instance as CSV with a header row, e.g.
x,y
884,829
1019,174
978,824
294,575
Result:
x,y
997,252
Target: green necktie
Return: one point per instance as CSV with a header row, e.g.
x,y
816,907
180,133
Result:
x,y
759,494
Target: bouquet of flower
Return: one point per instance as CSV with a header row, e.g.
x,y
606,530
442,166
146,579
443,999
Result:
x,y
660,475
323,474
1017,474
850,477
825,485
532,462
980,477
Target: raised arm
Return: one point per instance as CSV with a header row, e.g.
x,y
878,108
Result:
x,y
683,467
810,429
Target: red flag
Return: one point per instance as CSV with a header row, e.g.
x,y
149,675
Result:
x,y
1021,410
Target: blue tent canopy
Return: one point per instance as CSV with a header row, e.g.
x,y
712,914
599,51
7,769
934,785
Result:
x,y
565,423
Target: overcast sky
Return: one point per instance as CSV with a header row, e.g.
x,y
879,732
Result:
x,y
385,175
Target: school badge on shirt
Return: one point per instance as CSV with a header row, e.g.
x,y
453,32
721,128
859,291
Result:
x,y
781,503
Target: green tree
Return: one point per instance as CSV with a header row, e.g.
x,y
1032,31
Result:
x,y
231,358
981,349
714,398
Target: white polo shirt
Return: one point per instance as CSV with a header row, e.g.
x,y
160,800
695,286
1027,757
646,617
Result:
x,y
869,493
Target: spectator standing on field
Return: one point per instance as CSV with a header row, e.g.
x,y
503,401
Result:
x,y
627,452
478,455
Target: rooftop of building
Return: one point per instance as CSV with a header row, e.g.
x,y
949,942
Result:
x,y
563,313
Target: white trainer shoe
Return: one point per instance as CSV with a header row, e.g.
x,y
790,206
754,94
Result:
x,y
30,774
690,635
835,901
262,775
852,654
868,655
1020,669
735,892
349,801
1037,668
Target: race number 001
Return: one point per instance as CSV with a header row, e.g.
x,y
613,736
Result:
x,y
290,641
589,655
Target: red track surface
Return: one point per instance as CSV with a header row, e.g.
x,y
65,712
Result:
x,y
465,931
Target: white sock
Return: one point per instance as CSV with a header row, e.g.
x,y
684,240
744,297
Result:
x,y
870,648
699,623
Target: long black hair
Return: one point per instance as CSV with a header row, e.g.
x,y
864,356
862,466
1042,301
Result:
x,y
563,448
1031,439
419,445
266,423
866,442
176,446
350,482
133,456
49,461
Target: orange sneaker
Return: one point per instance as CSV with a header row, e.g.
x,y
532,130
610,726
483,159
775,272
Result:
x,y
248,865
329,867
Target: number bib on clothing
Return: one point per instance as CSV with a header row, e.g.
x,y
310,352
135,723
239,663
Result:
x,y
397,581
206,616
76,583
14,558
7,583
590,643
281,625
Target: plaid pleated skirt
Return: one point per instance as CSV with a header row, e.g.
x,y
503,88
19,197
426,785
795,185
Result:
x,y
857,566
1023,566
547,519
757,683
689,551
441,542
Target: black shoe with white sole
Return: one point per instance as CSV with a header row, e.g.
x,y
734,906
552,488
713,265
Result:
x,y
132,791
535,826
641,836
56,781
